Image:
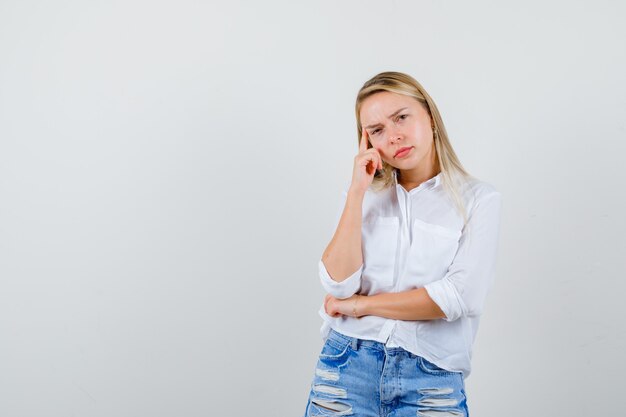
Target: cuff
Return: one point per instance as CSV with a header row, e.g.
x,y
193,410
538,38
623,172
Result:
x,y
343,289
445,295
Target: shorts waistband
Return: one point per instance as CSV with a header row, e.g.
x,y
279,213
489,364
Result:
x,y
357,342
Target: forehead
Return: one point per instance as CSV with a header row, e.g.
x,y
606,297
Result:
x,y
379,106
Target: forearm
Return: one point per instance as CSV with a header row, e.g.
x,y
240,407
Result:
x,y
407,305
343,255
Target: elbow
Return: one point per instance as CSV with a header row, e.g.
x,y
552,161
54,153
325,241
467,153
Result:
x,y
468,306
473,310
340,289
459,297
449,300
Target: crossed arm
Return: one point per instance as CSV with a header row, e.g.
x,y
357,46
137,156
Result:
x,y
413,304
341,258
343,255
461,292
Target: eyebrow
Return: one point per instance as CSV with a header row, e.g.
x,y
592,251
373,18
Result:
x,y
390,116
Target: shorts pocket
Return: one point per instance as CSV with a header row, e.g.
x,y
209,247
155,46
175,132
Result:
x,y
335,351
430,368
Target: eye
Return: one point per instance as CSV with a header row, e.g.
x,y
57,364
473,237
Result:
x,y
403,116
375,131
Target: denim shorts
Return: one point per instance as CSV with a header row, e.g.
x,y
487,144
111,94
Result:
x,y
365,378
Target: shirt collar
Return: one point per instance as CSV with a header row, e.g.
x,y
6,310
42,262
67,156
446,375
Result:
x,y
430,183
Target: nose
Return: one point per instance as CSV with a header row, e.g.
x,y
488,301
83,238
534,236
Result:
x,y
394,135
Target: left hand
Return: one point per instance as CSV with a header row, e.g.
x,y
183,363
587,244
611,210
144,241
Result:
x,y
336,307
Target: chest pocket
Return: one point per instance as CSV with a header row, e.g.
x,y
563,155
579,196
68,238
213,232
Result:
x,y
380,247
432,250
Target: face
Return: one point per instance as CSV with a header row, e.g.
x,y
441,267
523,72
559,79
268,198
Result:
x,y
395,121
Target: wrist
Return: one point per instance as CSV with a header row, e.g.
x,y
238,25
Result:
x,y
359,306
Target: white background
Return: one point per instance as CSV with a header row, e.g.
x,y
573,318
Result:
x,y
170,172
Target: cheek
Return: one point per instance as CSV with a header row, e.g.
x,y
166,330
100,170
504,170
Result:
x,y
423,133
382,153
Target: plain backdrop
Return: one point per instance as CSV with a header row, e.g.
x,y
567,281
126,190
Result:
x,y
170,172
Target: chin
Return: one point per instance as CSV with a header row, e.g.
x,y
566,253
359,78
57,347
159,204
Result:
x,y
404,165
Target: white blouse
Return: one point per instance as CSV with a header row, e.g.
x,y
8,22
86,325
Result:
x,y
416,239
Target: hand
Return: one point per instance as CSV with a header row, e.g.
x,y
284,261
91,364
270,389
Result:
x,y
365,164
336,307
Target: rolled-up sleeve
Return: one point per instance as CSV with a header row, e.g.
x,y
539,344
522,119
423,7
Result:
x,y
464,288
343,289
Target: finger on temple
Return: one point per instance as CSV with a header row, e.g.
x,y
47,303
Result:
x,y
364,138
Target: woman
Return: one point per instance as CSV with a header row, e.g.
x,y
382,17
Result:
x,y
408,268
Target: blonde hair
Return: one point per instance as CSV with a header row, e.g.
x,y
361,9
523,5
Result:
x,y
453,173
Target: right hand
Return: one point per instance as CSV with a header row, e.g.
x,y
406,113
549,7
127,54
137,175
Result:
x,y
365,164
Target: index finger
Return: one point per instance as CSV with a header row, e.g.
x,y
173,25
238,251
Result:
x,y
364,139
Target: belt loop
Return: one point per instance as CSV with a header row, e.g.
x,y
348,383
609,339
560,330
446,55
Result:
x,y
355,343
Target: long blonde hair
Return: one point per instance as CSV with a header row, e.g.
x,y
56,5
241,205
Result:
x,y
453,173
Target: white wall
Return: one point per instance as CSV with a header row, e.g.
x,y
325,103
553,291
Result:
x,y
169,173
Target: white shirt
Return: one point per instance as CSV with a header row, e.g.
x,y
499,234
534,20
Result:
x,y
416,239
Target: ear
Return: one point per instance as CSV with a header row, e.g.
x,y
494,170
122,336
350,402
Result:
x,y
432,125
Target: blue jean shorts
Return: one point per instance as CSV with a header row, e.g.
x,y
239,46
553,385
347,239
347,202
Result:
x,y
364,378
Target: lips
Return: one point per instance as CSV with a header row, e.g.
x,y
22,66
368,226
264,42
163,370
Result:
x,y
402,150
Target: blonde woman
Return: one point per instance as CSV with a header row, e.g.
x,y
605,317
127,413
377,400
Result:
x,y
408,268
